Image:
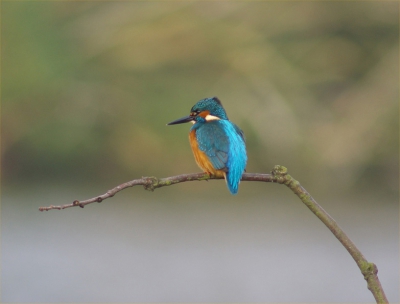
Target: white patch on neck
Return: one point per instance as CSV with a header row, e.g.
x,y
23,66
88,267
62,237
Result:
x,y
211,117
193,121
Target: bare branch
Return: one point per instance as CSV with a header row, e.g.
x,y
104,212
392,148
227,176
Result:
x,y
278,175
368,269
151,183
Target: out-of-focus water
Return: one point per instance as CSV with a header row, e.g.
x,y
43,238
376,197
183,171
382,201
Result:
x,y
187,247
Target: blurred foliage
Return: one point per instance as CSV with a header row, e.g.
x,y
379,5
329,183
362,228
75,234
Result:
x,y
87,87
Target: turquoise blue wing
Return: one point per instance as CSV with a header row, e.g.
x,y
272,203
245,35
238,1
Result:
x,y
214,142
224,144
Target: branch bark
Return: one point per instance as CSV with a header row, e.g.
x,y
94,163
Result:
x,y
278,175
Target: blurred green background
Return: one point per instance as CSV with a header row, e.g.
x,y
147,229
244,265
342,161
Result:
x,y
87,88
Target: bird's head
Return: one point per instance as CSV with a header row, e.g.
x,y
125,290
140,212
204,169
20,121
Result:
x,y
204,110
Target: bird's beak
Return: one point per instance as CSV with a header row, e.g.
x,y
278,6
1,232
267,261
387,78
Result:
x,y
181,120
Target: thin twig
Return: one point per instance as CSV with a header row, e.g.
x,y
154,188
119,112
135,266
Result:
x,y
279,175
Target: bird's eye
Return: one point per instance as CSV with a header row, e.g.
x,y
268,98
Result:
x,y
195,113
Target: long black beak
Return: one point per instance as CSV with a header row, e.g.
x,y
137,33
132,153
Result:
x,y
181,120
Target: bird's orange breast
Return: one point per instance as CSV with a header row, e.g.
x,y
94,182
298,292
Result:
x,y
201,158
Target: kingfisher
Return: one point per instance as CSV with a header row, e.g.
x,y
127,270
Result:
x,y
218,144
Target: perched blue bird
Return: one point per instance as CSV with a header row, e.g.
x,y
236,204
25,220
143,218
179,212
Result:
x,y
218,144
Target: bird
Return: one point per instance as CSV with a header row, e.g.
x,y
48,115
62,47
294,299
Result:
x,y
218,145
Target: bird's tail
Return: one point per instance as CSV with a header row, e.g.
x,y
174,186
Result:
x,y
232,183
